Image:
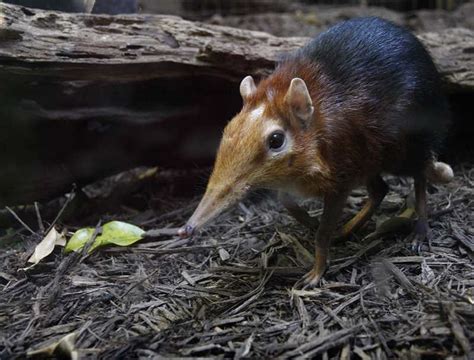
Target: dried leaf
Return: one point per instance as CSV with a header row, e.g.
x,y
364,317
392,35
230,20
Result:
x,y
224,254
427,274
63,348
46,246
89,5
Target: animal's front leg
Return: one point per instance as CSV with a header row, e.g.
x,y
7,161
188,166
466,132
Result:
x,y
300,214
333,206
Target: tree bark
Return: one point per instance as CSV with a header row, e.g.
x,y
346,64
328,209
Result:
x,y
85,96
141,47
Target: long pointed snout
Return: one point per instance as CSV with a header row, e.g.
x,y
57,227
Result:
x,y
213,203
207,209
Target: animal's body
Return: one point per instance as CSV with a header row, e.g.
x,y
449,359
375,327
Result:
x,y
361,99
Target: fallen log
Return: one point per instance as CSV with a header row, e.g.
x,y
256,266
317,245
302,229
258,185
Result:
x,y
100,47
85,96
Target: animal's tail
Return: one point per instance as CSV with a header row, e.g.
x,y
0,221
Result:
x,y
438,172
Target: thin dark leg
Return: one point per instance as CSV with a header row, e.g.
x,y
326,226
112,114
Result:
x,y
333,207
300,214
421,227
377,189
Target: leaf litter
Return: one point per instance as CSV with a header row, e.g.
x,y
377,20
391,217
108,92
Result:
x,y
229,292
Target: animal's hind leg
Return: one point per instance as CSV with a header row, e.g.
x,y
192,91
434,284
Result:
x,y
421,227
377,189
300,214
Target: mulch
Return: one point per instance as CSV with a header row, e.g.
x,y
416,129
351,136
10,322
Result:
x,y
229,292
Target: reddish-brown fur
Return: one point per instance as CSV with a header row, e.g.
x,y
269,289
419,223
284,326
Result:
x,y
348,149
337,135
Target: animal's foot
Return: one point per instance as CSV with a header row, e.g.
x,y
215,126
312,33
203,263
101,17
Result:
x,y
419,237
312,278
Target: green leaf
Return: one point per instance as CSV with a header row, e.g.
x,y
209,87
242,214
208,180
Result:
x,y
113,233
120,233
79,239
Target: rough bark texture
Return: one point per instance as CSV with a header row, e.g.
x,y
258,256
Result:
x,y
309,20
98,47
141,47
84,96
453,52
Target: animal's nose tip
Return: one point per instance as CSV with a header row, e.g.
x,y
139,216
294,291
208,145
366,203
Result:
x,y
186,231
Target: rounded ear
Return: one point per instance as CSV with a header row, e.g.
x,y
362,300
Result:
x,y
247,87
299,101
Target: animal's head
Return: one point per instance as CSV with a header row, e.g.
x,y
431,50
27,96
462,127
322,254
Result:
x,y
266,145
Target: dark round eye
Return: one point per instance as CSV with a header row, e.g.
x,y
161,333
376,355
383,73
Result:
x,y
276,140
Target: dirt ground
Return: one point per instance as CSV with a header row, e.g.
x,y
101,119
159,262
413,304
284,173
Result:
x,y
230,292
